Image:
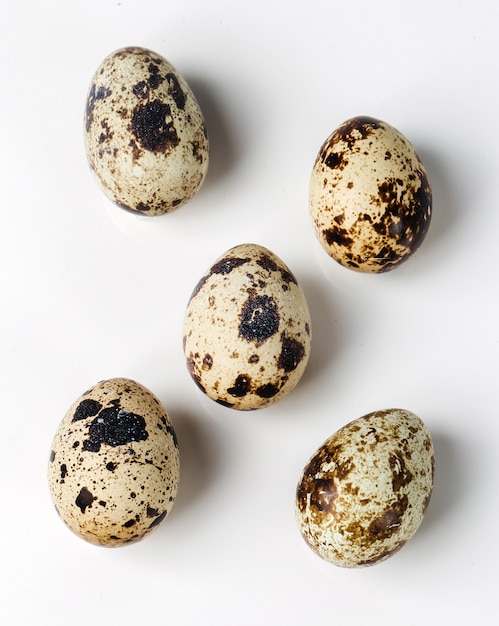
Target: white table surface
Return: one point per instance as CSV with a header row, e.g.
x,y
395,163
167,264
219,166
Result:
x,y
90,292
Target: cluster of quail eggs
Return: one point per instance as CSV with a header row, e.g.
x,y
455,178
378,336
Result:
x,y
114,465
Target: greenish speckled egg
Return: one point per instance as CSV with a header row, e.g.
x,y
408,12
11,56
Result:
x,y
364,493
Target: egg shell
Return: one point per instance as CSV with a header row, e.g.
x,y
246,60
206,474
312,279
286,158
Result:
x,y
247,329
145,135
370,198
114,470
364,493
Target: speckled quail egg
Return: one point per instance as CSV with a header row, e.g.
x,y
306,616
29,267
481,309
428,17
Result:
x,y
114,466
363,494
145,135
370,198
247,329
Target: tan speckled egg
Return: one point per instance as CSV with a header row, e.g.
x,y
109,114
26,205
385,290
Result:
x,y
114,466
247,329
145,136
370,198
363,494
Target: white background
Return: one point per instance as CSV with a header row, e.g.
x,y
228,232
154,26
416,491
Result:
x,y
90,292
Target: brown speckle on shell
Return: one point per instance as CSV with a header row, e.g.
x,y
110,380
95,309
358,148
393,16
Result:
x,y
370,197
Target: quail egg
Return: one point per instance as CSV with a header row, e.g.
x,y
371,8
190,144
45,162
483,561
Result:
x,y
364,493
247,329
113,471
145,135
370,197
